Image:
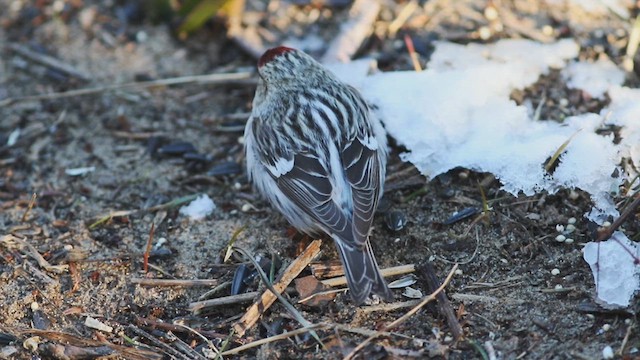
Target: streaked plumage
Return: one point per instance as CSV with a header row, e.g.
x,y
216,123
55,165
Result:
x,y
318,154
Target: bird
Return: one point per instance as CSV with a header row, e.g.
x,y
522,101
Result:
x,y
317,152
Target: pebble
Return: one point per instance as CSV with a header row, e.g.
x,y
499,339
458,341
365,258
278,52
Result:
x,y
558,287
485,33
573,195
458,272
606,327
491,13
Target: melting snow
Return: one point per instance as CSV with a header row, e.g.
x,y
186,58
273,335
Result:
x,y
458,113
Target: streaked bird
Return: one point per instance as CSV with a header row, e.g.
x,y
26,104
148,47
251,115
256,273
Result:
x,y
317,152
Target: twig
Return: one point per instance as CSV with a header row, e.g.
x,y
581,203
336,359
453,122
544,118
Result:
x,y
625,340
606,233
392,271
269,297
632,46
273,338
389,307
162,346
353,32
196,79
164,326
198,306
187,350
412,53
444,305
510,20
404,317
48,61
174,282
491,352
31,203
402,18
145,264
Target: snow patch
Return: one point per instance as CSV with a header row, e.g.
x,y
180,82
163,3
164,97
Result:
x,y
199,208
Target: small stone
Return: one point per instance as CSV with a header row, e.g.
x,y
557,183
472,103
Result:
x,y
35,306
606,224
561,238
490,13
547,30
458,272
448,339
558,287
606,327
607,352
555,272
573,195
484,32
564,102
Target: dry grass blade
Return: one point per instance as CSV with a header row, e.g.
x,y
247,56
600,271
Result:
x,y
269,296
48,61
199,306
31,203
632,46
558,152
197,79
392,271
271,339
145,263
412,53
174,282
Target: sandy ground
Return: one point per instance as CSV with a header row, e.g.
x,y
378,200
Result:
x,y
59,267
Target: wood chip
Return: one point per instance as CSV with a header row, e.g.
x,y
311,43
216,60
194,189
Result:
x,y
267,299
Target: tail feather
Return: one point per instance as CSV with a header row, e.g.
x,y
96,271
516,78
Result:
x,y
362,273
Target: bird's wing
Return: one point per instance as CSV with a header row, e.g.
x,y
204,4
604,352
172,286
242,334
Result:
x,y
362,170
302,178
308,186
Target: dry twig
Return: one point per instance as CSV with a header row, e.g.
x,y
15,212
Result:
x,y
392,271
353,32
268,298
199,306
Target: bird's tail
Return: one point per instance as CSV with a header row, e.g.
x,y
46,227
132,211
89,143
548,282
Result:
x,y
362,272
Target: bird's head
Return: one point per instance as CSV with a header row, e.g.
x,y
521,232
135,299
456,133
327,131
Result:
x,y
282,65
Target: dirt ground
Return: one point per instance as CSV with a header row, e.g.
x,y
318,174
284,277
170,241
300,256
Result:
x,y
66,259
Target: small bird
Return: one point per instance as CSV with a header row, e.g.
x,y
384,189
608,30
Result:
x,y
317,152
